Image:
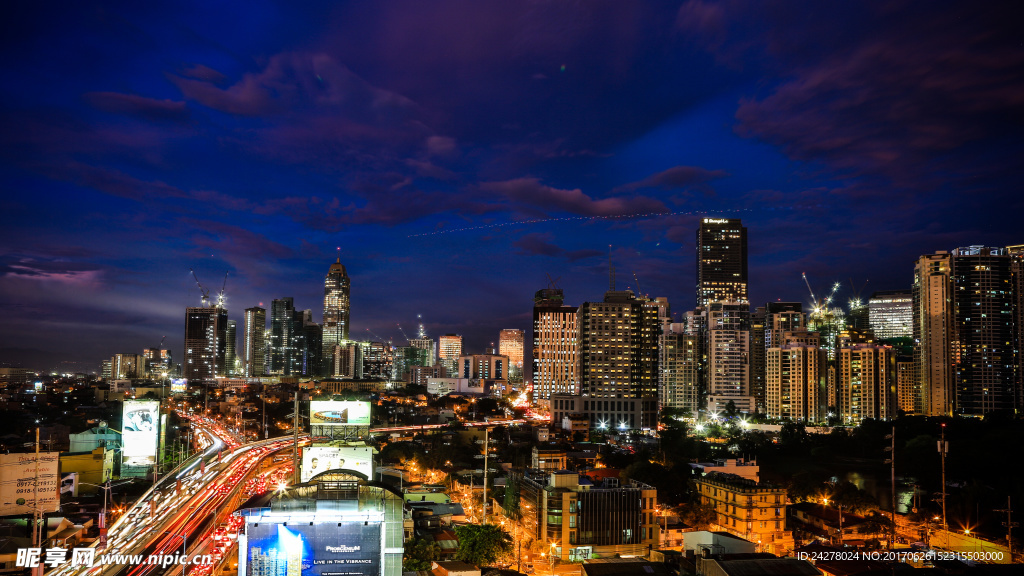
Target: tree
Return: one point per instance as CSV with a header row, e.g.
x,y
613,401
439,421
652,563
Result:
x,y
419,553
482,544
700,516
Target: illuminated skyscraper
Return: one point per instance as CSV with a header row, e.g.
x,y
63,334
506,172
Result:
x,y
891,314
728,353
205,342
983,308
680,367
450,348
510,343
619,360
721,261
867,382
933,333
336,307
230,347
255,341
794,384
1017,269
556,349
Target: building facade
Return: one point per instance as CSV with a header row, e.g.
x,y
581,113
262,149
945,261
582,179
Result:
x,y
255,341
728,356
205,342
337,290
933,333
556,348
680,368
795,383
755,511
449,350
891,314
721,261
867,382
511,343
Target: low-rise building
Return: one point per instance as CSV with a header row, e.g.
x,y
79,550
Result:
x,y
736,466
755,511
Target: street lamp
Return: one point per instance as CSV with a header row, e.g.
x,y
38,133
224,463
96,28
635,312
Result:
x,y
551,559
184,542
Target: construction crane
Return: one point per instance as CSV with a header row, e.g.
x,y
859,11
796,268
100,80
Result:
x,y
856,301
206,293
221,294
377,337
637,282
820,306
404,335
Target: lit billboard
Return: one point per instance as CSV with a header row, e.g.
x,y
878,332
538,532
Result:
x,y
178,385
348,548
316,459
140,420
24,488
339,413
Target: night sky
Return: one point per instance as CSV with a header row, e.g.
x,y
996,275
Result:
x,y
459,152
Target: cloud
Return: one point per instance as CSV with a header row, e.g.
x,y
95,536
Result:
x,y
539,244
534,195
114,182
140,106
49,270
677,177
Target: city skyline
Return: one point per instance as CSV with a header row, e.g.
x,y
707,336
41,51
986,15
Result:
x,y
454,157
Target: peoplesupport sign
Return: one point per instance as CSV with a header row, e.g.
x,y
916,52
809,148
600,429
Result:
x,y
178,385
347,548
140,420
24,488
339,413
316,459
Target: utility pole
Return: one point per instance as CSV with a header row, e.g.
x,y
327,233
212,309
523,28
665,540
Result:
x,y
891,449
943,449
1010,525
36,532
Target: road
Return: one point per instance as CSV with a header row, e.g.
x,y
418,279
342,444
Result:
x,y
181,508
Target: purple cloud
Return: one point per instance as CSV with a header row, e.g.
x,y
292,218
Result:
x,y
531,193
677,177
140,106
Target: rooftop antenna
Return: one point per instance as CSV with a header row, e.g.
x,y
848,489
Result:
x,y
611,271
339,254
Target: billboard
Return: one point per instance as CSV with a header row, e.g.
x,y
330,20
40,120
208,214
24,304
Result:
x,y
316,459
348,548
339,413
23,489
140,420
178,385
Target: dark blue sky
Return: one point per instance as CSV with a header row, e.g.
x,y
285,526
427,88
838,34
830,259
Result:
x,y
458,152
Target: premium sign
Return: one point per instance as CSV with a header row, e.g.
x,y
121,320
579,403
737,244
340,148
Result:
x,y
140,420
339,413
316,459
24,488
349,548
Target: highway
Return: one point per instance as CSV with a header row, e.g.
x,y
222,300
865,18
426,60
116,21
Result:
x,y
182,507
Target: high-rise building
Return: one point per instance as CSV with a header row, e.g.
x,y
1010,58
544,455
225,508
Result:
x,y
767,325
1017,267
336,308
377,360
295,344
347,361
556,348
159,363
205,342
127,366
794,383
983,309
449,349
255,341
510,343
933,333
906,384
721,261
427,344
483,367
867,382
891,314
619,360
728,356
230,348
681,368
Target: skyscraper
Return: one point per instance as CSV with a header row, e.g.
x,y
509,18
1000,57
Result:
x,y
680,368
555,355
1017,267
891,314
510,343
255,341
336,307
728,356
283,356
983,308
867,382
619,360
230,347
721,261
205,342
450,348
933,333
794,385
